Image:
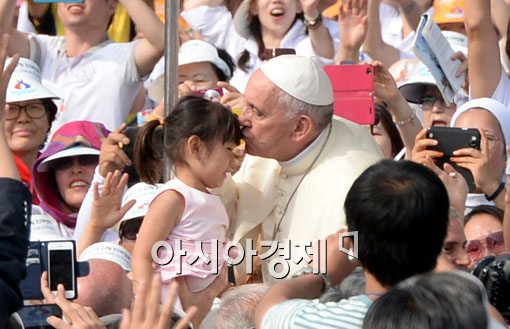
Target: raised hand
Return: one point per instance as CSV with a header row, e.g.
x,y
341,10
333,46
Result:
x,y
420,151
106,206
112,156
353,22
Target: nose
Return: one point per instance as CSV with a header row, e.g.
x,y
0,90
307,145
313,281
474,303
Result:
x,y
190,84
23,116
438,106
462,259
76,166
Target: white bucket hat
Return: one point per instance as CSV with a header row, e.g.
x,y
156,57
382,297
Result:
x,y
301,78
25,83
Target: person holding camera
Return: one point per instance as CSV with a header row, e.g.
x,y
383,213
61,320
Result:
x,y
486,164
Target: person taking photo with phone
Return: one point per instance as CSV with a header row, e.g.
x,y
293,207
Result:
x,y
487,164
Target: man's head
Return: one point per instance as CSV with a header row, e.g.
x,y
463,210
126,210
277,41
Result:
x,y
290,102
400,210
454,247
91,15
107,289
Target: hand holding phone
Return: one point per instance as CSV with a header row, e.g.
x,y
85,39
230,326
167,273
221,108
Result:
x,y
61,262
353,88
35,316
449,141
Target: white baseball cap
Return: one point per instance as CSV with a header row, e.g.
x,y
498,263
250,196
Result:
x,y
69,152
25,83
301,78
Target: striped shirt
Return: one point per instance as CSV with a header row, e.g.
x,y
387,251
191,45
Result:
x,y
307,314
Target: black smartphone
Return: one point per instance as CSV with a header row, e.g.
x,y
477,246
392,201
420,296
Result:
x,y
34,316
451,139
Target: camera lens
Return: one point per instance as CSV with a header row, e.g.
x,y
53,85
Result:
x,y
472,143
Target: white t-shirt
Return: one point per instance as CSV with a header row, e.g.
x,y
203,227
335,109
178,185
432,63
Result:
x,y
99,86
46,228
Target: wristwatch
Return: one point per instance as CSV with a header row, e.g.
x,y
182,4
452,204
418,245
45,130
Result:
x,y
312,24
309,270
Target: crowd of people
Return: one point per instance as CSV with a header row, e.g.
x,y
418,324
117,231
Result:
x,y
279,213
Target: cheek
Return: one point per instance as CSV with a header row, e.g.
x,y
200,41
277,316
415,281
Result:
x,y
61,178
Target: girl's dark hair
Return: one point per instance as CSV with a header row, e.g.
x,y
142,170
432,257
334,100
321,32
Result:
x,y
192,116
225,56
256,31
383,115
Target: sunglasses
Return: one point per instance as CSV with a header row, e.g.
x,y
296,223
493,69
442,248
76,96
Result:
x,y
129,229
494,242
67,162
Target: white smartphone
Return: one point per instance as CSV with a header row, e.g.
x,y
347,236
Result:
x,y
61,270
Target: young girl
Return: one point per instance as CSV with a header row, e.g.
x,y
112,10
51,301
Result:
x,y
200,138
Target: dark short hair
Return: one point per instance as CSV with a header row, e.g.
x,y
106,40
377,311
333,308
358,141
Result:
x,y
400,210
433,301
485,209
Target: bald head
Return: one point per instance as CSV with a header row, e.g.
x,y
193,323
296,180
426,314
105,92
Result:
x,y
107,289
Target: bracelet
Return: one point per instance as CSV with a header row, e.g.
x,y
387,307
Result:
x,y
313,23
410,120
494,195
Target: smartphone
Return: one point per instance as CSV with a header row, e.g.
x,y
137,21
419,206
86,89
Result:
x,y
61,262
353,89
209,94
507,169
451,139
34,316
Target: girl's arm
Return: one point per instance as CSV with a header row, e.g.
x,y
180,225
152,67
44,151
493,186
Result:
x,y
164,213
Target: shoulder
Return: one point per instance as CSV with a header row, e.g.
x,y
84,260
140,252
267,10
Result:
x,y
299,313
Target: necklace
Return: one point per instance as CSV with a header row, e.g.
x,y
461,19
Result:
x,y
277,226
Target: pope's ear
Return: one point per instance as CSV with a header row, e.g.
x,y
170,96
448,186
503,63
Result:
x,y
303,127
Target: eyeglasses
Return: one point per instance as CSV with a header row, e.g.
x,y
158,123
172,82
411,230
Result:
x,y
491,139
430,100
67,162
34,111
494,242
